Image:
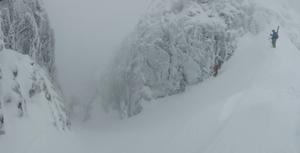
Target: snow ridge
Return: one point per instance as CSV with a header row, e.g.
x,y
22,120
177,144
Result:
x,y
177,44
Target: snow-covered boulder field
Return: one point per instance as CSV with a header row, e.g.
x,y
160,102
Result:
x,y
23,81
177,43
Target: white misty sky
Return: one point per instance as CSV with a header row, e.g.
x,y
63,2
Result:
x,y
87,32
296,4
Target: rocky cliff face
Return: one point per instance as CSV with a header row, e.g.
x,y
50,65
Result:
x,y
27,72
25,28
177,44
26,92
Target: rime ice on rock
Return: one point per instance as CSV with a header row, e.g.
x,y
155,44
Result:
x,y
26,29
177,44
25,32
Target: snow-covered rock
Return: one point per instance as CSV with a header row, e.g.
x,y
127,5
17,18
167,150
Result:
x,y
27,67
177,44
26,29
23,82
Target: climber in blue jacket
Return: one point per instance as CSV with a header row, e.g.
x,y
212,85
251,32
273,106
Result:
x,y
274,37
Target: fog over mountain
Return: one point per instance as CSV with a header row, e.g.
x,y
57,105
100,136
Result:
x,y
87,34
93,48
149,76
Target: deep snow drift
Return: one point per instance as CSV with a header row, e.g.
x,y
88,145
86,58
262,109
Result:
x,y
252,106
24,81
30,99
176,44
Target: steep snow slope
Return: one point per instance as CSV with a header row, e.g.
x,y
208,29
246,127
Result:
x,y
264,115
252,106
177,44
24,81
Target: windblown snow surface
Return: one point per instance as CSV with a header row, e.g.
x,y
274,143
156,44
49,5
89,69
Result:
x,y
252,106
178,42
24,81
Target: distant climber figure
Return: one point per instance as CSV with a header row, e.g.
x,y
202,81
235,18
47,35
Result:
x,y
20,109
68,124
216,69
217,66
274,37
1,121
